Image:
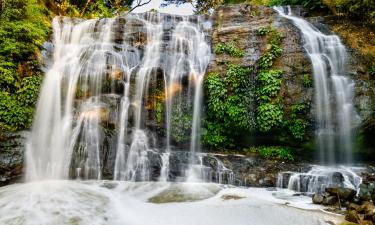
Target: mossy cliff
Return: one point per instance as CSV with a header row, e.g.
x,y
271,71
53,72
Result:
x,y
278,99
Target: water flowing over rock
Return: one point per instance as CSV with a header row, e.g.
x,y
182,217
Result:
x,y
332,87
115,94
319,178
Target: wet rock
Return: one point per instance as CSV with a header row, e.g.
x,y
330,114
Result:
x,y
352,216
342,193
337,178
364,192
329,200
317,199
12,146
353,206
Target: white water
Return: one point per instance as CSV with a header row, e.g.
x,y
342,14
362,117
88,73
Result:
x,y
120,203
93,60
333,91
320,177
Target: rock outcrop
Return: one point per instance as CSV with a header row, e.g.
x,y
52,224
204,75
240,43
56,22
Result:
x,y
11,156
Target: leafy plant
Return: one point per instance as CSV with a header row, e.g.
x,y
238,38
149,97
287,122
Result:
x,y
269,115
230,49
296,125
269,84
262,31
228,101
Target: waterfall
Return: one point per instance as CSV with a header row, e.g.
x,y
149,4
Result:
x,y
124,90
333,91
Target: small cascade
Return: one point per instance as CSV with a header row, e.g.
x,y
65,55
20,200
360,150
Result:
x,y
333,91
120,95
214,170
164,172
320,177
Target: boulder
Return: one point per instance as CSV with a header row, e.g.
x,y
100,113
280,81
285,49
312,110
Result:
x,y
342,193
329,200
317,199
353,206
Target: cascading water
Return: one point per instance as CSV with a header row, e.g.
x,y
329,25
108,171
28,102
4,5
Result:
x,y
332,87
334,112
320,177
111,81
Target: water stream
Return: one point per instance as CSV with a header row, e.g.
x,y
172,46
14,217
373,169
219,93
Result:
x,y
333,91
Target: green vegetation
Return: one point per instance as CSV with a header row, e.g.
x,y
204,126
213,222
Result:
x,y
228,112
372,71
307,82
269,116
269,84
272,152
88,8
230,49
23,29
181,123
263,31
362,10
296,125
270,112
310,4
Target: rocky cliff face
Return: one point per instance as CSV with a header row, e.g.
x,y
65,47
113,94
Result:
x,y
11,156
240,24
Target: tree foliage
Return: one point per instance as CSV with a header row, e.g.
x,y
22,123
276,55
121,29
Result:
x,y
23,29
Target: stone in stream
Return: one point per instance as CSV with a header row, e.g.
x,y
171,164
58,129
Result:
x,y
317,199
329,200
342,193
